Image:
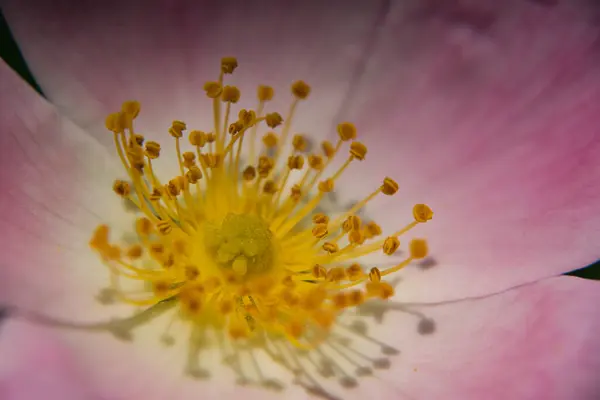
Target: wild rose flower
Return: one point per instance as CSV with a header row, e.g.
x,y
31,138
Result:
x,y
486,113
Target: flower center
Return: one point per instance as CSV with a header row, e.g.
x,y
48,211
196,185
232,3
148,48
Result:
x,y
235,239
242,244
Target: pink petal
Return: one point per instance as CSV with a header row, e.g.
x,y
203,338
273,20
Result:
x,y
538,341
162,53
36,365
54,183
491,115
533,342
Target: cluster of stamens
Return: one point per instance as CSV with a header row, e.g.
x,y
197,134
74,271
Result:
x,y
233,239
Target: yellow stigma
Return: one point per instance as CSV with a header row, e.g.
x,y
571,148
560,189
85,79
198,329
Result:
x,y
236,240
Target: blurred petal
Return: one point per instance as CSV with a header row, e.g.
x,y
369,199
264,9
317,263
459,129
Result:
x,y
36,365
161,54
538,341
54,182
489,113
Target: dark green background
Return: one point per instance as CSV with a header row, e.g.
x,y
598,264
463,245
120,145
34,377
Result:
x,y
11,55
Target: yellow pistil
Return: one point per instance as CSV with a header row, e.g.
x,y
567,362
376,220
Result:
x,y
241,248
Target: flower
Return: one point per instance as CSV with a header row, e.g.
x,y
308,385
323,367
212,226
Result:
x,y
503,218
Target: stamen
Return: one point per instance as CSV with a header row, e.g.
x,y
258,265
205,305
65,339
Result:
x,y
247,257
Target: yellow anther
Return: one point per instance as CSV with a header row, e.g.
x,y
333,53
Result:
x,y
213,160
336,274
131,108
295,328
315,297
296,193
418,248
320,218
422,213
300,89
121,188
249,173
354,272
270,140
136,140
340,300
265,165
191,305
295,162
288,281
161,287
299,142
189,158
169,261
194,174
99,237
383,290
143,226
356,237
389,187
355,298
136,156
228,64
326,186
351,223
331,247
324,318
316,162
115,122
265,93
164,227
211,137
230,94
180,247
320,230
173,187
346,131
390,245
112,253
373,228
375,274
270,187
319,271
152,150
235,127
156,194
191,272
213,89
226,306
135,251
273,120
197,138
358,150
177,129
157,250
328,149
247,117
290,297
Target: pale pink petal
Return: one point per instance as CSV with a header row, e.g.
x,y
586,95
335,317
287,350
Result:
x,y
161,53
490,113
538,341
34,364
533,342
54,183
